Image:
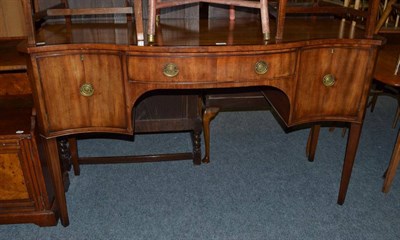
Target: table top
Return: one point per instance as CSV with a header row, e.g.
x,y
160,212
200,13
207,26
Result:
x,y
204,32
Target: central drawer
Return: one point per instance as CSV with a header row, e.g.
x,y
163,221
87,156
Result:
x,y
210,68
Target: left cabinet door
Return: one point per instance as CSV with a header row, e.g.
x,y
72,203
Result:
x,y
86,89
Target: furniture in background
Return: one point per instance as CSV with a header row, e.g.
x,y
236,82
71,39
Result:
x,y
62,8
156,5
26,190
388,72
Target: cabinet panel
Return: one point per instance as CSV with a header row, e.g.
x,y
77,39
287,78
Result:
x,y
315,100
12,181
100,104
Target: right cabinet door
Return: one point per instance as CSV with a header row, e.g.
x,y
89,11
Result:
x,y
331,84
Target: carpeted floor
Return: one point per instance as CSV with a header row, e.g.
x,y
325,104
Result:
x,y
259,185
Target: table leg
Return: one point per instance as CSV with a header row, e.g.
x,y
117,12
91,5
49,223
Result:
x,y
351,149
312,142
53,161
394,162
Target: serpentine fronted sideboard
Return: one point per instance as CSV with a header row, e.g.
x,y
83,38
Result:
x,y
320,72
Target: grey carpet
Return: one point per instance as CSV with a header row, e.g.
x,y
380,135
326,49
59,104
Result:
x,y
259,185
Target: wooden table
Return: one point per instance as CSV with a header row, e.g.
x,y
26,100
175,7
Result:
x,y
88,78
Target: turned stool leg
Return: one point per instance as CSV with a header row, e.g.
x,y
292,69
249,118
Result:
x,y
208,115
312,142
73,147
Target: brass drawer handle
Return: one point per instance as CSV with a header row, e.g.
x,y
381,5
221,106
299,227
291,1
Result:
x,y
86,90
328,80
170,70
261,67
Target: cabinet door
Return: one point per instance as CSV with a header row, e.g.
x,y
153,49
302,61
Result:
x,y
86,89
331,84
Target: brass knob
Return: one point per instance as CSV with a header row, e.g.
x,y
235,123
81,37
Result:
x,y
328,80
261,67
86,90
170,70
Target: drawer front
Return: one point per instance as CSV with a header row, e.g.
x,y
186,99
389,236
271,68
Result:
x,y
210,68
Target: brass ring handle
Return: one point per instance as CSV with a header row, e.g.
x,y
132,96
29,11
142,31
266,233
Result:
x,y
328,80
86,90
261,67
170,70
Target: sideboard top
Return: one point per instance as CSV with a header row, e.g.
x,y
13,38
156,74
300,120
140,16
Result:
x,y
194,32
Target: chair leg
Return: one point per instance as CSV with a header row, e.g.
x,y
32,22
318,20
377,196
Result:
x,y
312,142
265,19
396,118
151,21
394,162
73,147
208,115
139,21
232,13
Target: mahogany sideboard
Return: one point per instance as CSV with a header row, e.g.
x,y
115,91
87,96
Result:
x,y
88,77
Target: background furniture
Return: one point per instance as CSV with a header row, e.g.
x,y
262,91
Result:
x,y
387,62
26,190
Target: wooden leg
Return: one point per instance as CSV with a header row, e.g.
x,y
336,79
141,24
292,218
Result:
x,y
151,29
351,149
53,161
196,139
265,19
137,5
208,115
396,118
312,142
73,147
394,162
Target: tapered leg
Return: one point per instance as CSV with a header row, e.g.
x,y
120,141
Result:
x,y
73,148
208,115
312,142
394,162
351,149
53,161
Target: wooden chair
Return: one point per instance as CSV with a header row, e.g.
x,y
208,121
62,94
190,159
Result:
x,y
63,9
388,72
156,5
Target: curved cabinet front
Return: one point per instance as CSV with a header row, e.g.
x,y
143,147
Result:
x,y
82,90
332,84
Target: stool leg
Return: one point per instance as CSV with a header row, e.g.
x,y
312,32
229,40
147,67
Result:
x,y
394,162
265,19
73,148
208,115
